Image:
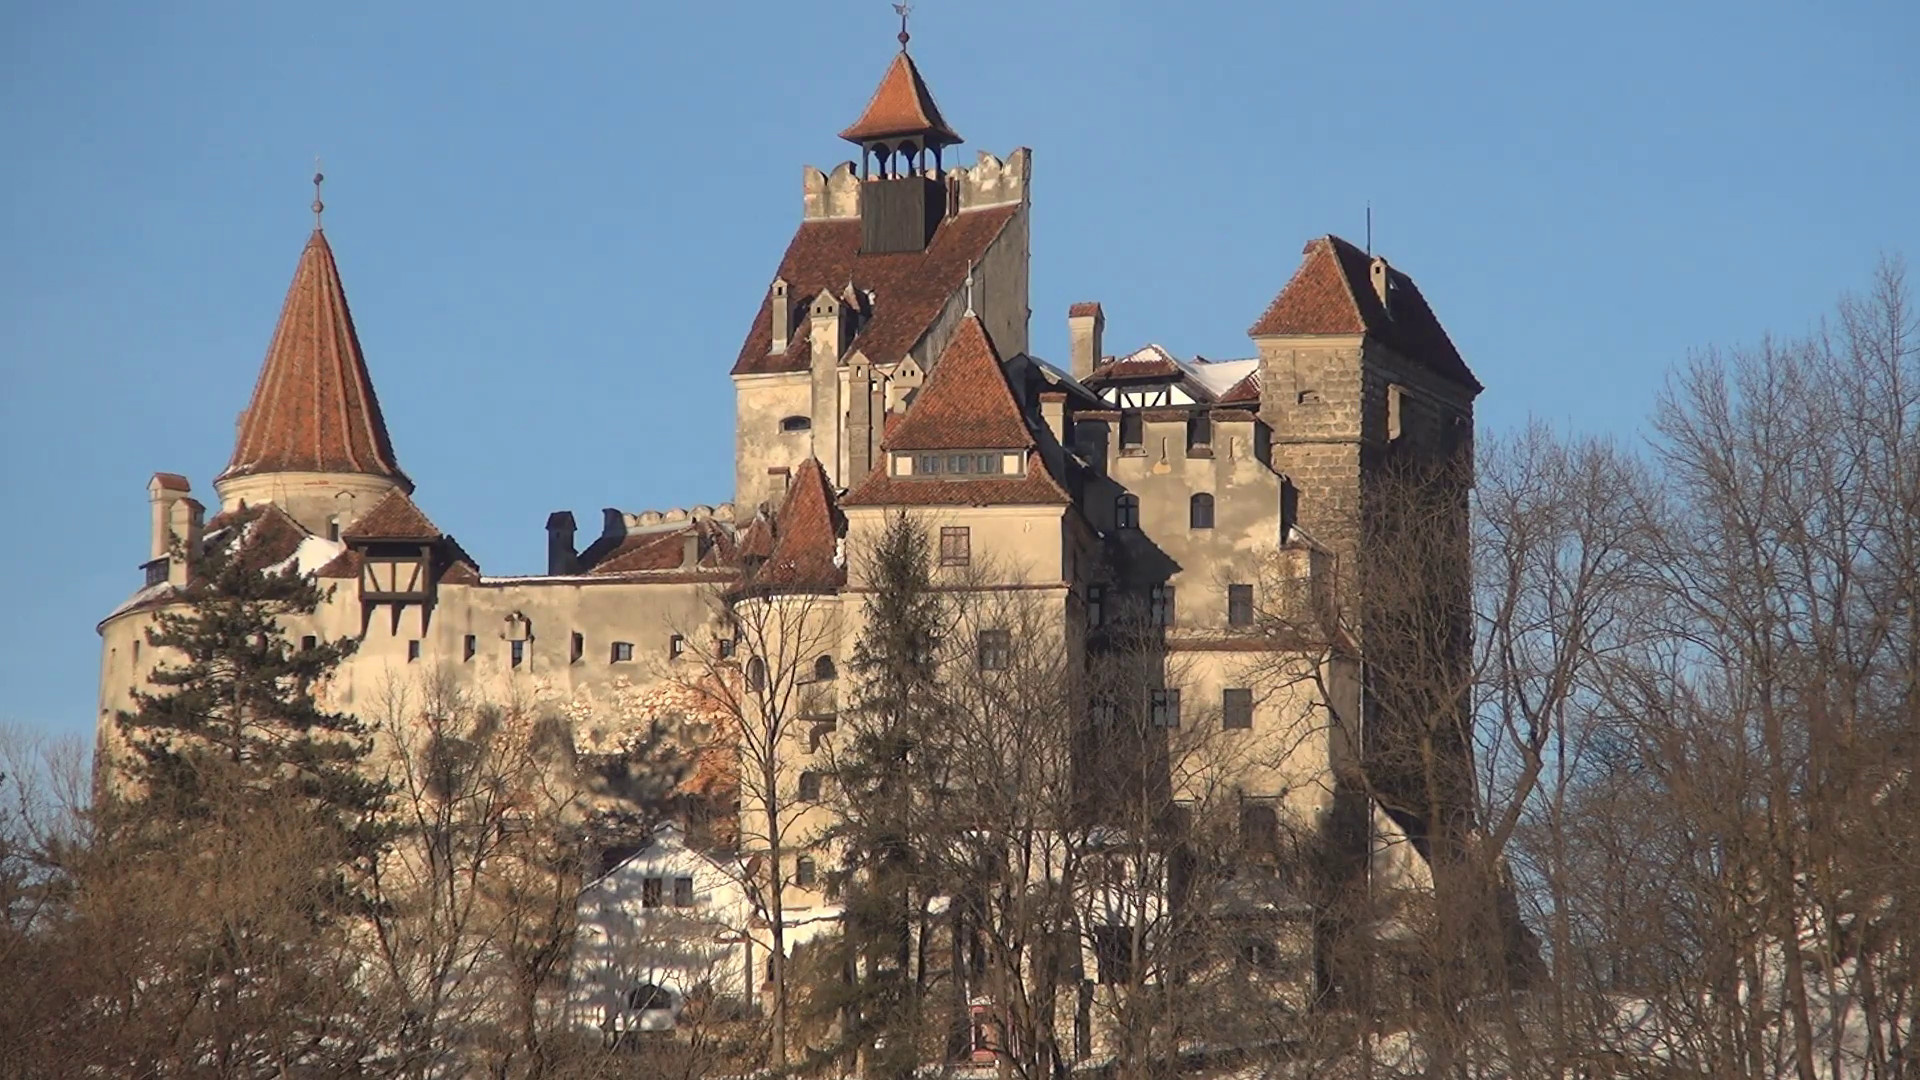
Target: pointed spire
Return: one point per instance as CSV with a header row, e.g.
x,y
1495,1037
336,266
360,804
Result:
x,y
902,107
314,409
965,404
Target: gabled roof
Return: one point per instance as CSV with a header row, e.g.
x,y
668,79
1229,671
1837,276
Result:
x,y
1147,362
313,408
965,403
395,517
666,549
909,288
1332,293
1035,487
806,535
901,106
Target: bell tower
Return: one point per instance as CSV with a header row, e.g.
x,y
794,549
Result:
x,y
901,135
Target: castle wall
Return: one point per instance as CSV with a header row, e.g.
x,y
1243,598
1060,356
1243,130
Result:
x,y
760,403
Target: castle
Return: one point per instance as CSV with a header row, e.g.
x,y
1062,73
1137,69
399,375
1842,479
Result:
x,y
886,369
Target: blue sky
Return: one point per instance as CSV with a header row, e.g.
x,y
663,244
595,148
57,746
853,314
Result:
x,y
555,222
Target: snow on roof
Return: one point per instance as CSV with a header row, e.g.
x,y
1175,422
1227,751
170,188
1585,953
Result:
x,y
1218,376
313,553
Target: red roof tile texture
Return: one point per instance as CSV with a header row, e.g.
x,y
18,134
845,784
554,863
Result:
x,y
667,550
1083,309
910,288
965,403
171,481
806,535
396,518
313,409
902,105
1036,488
1151,362
1332,293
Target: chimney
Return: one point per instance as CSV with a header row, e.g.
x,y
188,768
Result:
x,y
162,492
1085,325
184,523
1382,283
690,549
782,315
827,325
562,558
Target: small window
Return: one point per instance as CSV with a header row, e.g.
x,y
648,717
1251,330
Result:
x,y
1236,709
468,647
797,423
1199,432
651,890
1126,512
621,653
1289,508
1113,954
956,545
1160,610
809,787
309,643
823,670
517,651
333,528
725,648
1200,511
1106,715
649,998
996,650
959,463
987,463
756,674
1164,708
676,647
1096,605
136,650
413,651
1132,431
927,465
804,871
683,892
1259,829
1239,605
577,649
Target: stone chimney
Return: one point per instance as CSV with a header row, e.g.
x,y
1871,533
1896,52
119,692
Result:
x,y
782,315
185,524
827,327
163,491
1085,325
690,549
1382,283
562,557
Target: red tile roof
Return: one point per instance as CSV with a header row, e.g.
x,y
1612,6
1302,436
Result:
x,y
313,409
910,288
392,518
901,106
1083,309
965,403
1151,362
261,536
1036,488
1247,389
806,535
171,481
1332,293
666,550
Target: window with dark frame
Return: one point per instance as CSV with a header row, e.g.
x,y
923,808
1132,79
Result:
x,y
1126,512
996,650
1096,605
1113,954
683,892
676,647
823,669
413,650
1200,511
651,890
309,643
1239,605
956,545
1236,709
805,873
1133,431
517,651
1105,714
1164,708
725,647
797,423
621,653
756,674
809,786
1160,611
578,649
927,465
1199,432
468,647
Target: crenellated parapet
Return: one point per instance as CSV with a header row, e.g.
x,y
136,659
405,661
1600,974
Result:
x,y
831,196
993,182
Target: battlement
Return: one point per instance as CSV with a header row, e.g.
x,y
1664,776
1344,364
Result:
x,y
989,181
623,523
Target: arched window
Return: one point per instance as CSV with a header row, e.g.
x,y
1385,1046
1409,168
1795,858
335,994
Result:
x,y
797,423
647,998
1126,512
756,674
1200,511
823,668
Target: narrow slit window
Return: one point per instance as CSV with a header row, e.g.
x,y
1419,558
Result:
x,y
468,647
413,651
578,649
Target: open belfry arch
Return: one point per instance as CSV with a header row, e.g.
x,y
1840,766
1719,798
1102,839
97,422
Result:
x,y
886,368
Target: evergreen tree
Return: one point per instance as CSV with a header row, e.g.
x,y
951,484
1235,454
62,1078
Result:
x,y
234,722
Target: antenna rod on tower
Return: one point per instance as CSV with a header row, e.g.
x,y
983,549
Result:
x,y
1369,228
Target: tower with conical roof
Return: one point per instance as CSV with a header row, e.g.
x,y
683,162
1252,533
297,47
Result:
x,y
312,440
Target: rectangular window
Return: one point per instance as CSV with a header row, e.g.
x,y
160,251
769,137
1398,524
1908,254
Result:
x,y
987,463
725,647
518,651
1199,432
804,871
683,892
1164,708
650,891
996,650
1160,605
1096,605
956,545
468,647
927,465
1239,605
959,463
413,651
309,643
1133,433
1126,512
1236,709
622,652
578,649
676,647
1105,714
1113,954
809,787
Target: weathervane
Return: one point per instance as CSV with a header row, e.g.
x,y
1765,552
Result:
x,y
318,178
904,8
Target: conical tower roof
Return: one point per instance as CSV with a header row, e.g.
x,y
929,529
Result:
x,y
314,409
902,106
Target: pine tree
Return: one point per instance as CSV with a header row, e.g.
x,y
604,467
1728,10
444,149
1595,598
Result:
x,y
235,722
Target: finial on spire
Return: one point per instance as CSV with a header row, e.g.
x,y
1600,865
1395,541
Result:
x,y
318,179
970,290
904,8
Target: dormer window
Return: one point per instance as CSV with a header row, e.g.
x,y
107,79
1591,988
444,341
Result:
x,y
796,423
959,464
